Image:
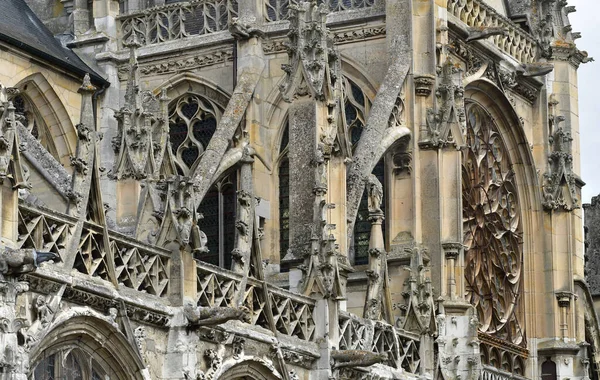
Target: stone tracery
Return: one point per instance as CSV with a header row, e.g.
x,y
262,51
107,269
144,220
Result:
x,y
492,230
192,122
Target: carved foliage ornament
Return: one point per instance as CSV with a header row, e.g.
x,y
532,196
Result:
x,y
492,230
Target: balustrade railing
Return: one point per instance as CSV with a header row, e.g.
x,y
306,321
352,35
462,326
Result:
x,y
476,13
292,314
44,231
360,334
277,10
176,21
491,373
136,266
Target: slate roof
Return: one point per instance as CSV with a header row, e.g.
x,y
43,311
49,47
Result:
x,y
20,27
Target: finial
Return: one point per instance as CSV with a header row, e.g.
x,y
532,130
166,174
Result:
x,y
87,85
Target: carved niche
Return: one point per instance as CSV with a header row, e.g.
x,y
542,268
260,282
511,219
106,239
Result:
x,y
492,230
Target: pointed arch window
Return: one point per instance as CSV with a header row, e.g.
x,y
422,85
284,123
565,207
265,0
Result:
x,y
34,123
192,123
69,364
218,221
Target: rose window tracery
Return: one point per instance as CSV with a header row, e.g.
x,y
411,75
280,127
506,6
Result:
x,y
192,123
492,230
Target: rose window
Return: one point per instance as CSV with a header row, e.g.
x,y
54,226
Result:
x,y
192,123
492,230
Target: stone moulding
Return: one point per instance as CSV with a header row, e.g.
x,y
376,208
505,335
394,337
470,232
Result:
x,y
187,63
97,301
339,37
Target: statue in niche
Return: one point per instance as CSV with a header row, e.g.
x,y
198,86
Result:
x,y
375,189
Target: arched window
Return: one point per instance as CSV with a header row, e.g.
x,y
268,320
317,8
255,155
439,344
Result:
x,y
218,221
192,123
492,230
34,123
69,364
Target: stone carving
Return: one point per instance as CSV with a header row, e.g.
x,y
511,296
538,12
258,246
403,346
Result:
x,y
20,261
491,222
535,69
375,191
142,127
418,307
312,57
560,183
198,316
446,125
356,358
238,347
10,149
45,309
178,65
482,32
243,31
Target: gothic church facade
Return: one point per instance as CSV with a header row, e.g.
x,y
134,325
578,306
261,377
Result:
x,y
282,189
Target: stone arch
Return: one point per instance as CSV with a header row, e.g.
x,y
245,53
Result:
x,y
54,114
184,83
494,102
249,370
96,337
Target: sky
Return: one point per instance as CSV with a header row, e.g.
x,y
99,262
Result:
x,y
587,21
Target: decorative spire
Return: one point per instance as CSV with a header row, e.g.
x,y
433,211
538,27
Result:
x,y
312,58
143,126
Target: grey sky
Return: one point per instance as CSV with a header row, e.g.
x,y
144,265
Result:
x,y
587,21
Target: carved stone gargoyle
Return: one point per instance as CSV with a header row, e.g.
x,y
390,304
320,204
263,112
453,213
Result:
x,y
20,261
481,32
356,358
535,69
198,316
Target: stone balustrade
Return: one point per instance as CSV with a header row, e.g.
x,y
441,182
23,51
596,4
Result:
x,y
277,10
475,13
176,21
292,314
361,334
491,373
140,267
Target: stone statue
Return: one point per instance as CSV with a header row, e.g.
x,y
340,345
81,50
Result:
x,y
375,189
357,358
20,261
198,316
